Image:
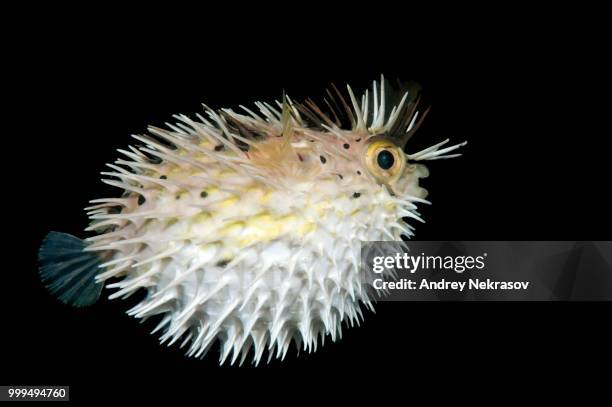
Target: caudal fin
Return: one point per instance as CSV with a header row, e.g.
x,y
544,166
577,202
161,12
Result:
x,y
67,271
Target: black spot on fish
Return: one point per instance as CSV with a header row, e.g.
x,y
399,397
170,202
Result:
x,y
346,145
356,195
222,263
358,172
220,147
203,194
141,200
178,196
163,177
358,140
340,175
323,160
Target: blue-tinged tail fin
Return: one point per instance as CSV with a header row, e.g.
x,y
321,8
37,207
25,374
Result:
x,y
67,271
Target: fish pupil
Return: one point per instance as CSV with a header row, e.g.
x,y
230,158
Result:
x,y
385,159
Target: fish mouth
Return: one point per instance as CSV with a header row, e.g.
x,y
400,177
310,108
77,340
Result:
x,y
407,184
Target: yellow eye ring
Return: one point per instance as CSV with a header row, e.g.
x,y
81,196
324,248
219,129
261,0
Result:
x,y
384,160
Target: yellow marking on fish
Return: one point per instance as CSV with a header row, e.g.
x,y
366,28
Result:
x,y
232,228
228,202
305,228
211,245
211,190
202,217
321,207
264,227
225,174
266,197
390,206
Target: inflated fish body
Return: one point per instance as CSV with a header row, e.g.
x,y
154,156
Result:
x,y
246,227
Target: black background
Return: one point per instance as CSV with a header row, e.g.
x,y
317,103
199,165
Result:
x,y
518,85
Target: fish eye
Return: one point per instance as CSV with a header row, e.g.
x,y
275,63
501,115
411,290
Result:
x,y
384,160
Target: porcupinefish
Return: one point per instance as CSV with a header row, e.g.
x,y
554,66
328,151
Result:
x,y
245,228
